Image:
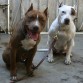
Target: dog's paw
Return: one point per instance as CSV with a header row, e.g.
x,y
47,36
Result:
x,y
33,66
13,78
50,60
67,61
30,74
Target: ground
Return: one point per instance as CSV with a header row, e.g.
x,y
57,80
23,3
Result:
x,y
56,72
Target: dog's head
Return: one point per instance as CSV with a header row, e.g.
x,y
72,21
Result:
x,y
66,14
34,21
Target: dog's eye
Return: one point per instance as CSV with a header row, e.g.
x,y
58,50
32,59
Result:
x,y
42,20
63,12
31,17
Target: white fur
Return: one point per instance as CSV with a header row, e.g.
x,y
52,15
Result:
x,y
28,43
37,22
64,32
67,14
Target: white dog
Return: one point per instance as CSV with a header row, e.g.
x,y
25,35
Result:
x,y
63,27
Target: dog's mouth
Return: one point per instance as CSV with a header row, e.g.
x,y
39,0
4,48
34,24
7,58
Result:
x,y
33,35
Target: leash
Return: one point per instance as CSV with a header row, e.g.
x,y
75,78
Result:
x,y
55,38
34,68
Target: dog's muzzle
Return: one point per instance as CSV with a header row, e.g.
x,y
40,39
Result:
x,y
66,21
35,29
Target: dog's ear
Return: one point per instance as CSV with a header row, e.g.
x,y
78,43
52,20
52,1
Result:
x,y
46,12
75,7
73,12
60,4
30,8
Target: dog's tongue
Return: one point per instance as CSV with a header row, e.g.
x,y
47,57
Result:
x,y
33,36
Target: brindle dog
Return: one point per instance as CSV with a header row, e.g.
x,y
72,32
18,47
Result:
x,y
24,40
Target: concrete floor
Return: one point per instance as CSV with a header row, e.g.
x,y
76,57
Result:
x,y
56,72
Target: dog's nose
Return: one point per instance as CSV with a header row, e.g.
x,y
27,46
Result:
x,y
66,21
35,28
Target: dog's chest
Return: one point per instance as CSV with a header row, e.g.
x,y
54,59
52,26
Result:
x,y
62,40
28,44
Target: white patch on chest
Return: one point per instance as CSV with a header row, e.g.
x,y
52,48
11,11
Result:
x,y
28,43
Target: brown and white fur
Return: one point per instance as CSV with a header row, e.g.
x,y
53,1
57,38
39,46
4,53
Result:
x,y
24,40
63,26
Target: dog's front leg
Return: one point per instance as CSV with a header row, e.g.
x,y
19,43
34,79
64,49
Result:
x,y
29,63
68,53
13,64
50,55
